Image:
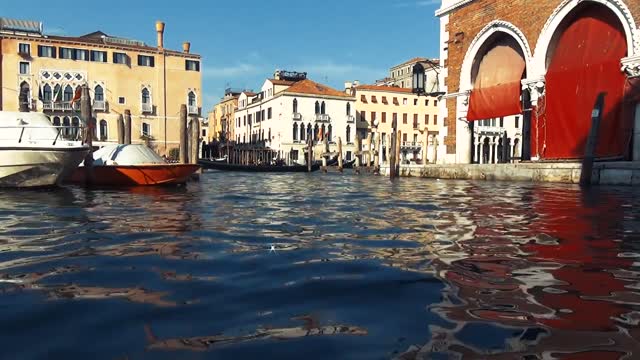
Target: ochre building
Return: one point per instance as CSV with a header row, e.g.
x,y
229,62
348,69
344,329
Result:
x,y
150,81
542,63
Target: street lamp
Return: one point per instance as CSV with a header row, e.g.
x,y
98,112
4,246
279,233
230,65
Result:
x,y
418,81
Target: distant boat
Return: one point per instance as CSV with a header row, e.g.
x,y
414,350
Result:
x,y
132,165
217,165
34,152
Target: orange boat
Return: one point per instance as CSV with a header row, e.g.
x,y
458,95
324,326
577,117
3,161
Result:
x,y
132,165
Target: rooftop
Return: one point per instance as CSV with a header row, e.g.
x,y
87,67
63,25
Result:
x,y
384,88
313,88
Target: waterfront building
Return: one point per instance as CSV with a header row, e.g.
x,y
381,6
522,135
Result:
x,y
401,74
288,109
377,107
152,82
541,65
222,116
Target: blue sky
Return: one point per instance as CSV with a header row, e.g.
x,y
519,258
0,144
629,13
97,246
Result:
x,y
243,42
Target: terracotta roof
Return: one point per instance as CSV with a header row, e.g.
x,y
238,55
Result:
x,y
311,87
249,93
281,82
384,88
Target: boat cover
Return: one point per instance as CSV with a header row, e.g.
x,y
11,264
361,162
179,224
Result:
x,y
119,154
32,126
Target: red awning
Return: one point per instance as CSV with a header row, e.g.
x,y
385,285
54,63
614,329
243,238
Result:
x,y
496,90
586,61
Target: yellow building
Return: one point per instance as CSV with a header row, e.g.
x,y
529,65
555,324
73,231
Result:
x,y
416,116
221,117
149,81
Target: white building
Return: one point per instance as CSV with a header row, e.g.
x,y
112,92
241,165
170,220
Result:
x,y
291,107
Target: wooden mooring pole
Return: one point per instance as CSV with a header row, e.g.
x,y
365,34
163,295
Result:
x,y
120,123
85,112
391,150
592,141
340,154
310,153
127,127
183,134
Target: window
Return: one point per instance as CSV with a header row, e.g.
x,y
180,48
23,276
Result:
x,y
435,102
295,106
317,108
120,58
329,132
262,118
24,49
46,51
373,117
395,118
302,132
426,102
384,117
98,93
322,108
144,60
68,94
121,100
46,93
415,121
415,102
244,121
517,121
348,109
79,54
295,132
146,129
435,119
146,100
103,130
363,116
348,156
404,118
192,99
24,68
348,134
426,119
404,137
415,138
66,53
249,119
501,122
99,56
493,122
404,101
57,93
192,65
269,113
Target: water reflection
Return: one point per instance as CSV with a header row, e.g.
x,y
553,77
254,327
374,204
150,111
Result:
x,y
417,269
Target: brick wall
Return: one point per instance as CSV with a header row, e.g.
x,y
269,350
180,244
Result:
x,y
466,22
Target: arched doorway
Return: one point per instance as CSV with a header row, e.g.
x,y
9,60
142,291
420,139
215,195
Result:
x,y
582,60
485,151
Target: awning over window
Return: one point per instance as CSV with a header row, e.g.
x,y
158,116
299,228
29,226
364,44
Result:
x,y
374,100
384,100
363,98
496,90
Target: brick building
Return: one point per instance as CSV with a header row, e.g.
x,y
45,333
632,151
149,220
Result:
x,y
543,62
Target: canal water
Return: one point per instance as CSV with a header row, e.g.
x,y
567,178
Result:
x,y
321,266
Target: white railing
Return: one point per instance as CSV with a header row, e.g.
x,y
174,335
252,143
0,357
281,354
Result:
x,y
47,105
192,109
412,144
297,116
66,133
323,117
147,108
99,105
351,118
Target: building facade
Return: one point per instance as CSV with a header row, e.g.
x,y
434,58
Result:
x,y
150,81
416,117
289,109
401,75
545,71
222,116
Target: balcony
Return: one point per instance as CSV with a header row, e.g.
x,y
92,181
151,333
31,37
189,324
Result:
x,y
100,105
411,145
192,110
147,108
297,116
47,105
351,119
323,118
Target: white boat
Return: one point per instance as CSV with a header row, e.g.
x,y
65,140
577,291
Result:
x,y
34,152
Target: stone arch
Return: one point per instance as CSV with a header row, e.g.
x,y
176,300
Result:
x,y
478,45
618,7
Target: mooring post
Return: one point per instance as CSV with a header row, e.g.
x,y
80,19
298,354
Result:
x,y
397,150
85,113
195,140
392,149
120,123
184,158
377,154
339,154
127,127
592,141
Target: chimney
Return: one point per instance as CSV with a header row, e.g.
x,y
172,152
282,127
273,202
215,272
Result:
x,y
348,85
276,74
186,46
356,83
160,31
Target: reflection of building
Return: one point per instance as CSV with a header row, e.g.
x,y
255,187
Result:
x,y
222,116
417,117
289,108
150,81
547,69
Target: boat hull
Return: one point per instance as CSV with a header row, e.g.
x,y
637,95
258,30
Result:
x,y
136,175
215,165
38,166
